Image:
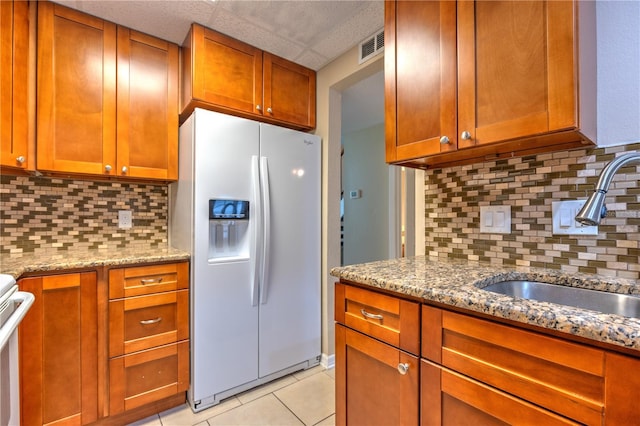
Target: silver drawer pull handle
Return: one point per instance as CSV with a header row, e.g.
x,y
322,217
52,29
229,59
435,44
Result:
x,y
403,368
372,316
151,280
154,321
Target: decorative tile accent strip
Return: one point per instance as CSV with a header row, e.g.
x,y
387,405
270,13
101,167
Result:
x,y
45,214
530,184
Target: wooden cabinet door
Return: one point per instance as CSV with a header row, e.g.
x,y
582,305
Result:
x,y
223,71
449,398
516,63
76,92
147,110
58,350
289,91
148,376
369,384
14,85
420,78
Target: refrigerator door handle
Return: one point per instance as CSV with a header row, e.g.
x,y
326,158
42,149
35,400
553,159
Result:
x,y
257,225
266,227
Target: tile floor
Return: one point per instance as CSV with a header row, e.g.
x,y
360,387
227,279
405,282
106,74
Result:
x,y
302,398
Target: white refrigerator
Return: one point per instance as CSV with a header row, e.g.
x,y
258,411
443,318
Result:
x,y
247,207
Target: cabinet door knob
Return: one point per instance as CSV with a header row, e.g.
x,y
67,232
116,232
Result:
x,y
403,368
465,135
21,159
444,140
269,110
124,169
107,168
258,107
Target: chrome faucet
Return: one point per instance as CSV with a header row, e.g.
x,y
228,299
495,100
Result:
x,y
594,209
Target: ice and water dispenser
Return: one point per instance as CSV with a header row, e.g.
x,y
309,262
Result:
x,y
228,229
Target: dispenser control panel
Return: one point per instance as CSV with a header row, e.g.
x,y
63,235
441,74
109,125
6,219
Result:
x,y
228,210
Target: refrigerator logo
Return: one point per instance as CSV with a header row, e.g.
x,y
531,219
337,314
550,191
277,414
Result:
x,y
308,142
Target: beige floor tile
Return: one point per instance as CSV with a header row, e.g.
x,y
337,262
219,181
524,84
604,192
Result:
x,y
310,399
309,372
331,372
149,421
263,411
329,421
258,392
183,416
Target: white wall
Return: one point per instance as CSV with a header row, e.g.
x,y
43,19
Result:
x,y
366,219
618,63
331,80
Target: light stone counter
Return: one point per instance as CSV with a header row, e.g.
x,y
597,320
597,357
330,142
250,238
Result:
x,y
459,284
19,264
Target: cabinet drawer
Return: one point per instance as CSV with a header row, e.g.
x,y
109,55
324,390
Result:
x,y
565,377
139,280
451,398
147,376
387,318
138,323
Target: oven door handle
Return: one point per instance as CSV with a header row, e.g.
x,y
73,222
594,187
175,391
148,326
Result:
x,y
6,330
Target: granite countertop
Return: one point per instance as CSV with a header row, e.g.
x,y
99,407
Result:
x,y
18,264
459,283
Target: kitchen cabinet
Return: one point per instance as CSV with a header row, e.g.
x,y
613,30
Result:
x,y
107,98
59,350
468,81
148,334
377,367
223,74
147,106
472,370
16,75
563,377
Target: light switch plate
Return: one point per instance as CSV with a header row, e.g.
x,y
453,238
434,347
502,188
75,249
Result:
x,y
564,219
495,219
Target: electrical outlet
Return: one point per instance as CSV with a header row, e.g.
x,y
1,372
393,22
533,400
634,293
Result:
x,y
125,220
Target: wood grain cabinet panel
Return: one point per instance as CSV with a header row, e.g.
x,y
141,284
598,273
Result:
x,y
289,91
223,74
454,399
387,318
148,334
16,126
107,98
59,350
147,111
369,384
471,80
76,118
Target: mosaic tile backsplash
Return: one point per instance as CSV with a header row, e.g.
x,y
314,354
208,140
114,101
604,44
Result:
x,y
530,184
44,214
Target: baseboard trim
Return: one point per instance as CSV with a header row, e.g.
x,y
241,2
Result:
x,y
328,361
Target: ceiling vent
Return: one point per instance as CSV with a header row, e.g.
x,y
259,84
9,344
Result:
x,y
371,46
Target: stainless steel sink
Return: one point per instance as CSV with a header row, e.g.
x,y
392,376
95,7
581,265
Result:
x,y
610,303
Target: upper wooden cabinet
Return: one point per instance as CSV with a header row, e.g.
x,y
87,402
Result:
x,y
87,70
16,133
469,81
147,113
223,74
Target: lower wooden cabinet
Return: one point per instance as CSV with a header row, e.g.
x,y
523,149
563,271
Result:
x,y
59,350
148,376
374,380
86,357
472,371
450,398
